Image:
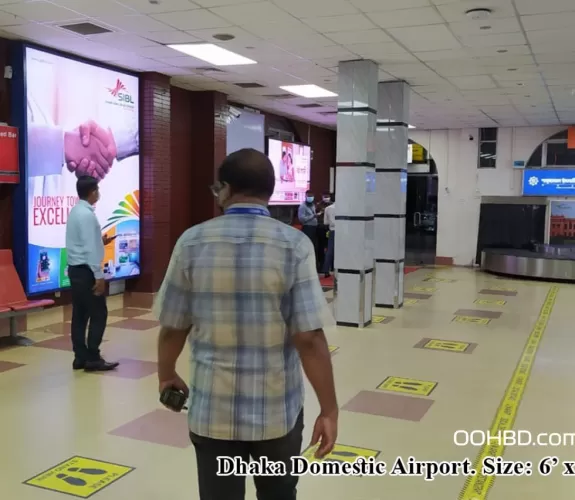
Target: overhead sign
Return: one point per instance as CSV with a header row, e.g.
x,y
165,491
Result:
x,y
417,155
408,386
547,182
80,477
9,166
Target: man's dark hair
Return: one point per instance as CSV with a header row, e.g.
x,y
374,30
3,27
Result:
x,y
85,186
309,192
248,172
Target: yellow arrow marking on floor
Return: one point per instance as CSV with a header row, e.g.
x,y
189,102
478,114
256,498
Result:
x,y
407,386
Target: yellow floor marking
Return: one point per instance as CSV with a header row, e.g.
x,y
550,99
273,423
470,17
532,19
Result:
x,y
424,289
407,386
438,280
447,345
341,453
471,320
332,348
477,487
410,302
80,477
489,302
502,288
378,319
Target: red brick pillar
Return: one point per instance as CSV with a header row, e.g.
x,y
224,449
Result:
x,y
155,187
209,111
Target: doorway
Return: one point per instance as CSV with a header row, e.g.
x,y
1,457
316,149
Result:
x,y
421,212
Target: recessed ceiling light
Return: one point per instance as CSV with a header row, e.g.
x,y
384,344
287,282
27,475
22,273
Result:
x,y
309,91
512,69
521,84
223,37
212,54
478,14
484,27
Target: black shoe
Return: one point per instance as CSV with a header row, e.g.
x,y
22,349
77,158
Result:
x,y
78,364
100,366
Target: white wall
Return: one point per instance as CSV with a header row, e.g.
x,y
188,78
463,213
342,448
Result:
x,y
462,184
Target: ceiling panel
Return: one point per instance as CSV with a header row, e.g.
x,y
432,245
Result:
x,y
436,37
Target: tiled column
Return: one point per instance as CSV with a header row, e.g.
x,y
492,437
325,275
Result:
x,y
155,188
355,179
391,183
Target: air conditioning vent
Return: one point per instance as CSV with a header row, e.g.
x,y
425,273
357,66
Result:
x,y
306,106
250,85
85,29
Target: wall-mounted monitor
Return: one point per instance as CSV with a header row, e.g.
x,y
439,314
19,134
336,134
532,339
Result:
x,y
77,119
292,165
549,182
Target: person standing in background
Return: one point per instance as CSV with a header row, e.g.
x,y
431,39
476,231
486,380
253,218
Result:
x,y
308,217
329,221
85,249
243,289
322,229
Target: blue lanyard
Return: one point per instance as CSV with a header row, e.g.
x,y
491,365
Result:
x,y
247,211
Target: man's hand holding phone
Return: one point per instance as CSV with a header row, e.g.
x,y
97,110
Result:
x,y
108,239
100,287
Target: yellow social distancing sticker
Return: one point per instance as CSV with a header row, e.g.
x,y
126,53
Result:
x,y
80,477
341,453
333,348
489,302
378,319
471,320
410,302
446,345
424,289
408,386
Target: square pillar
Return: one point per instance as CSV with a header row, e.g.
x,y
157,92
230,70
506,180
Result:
x,y
355,184
391,186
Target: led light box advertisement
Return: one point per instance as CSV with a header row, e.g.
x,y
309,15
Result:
x,y
548,182
69,102
292,165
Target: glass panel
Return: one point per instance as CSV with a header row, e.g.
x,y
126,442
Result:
x,y
488,134
535,160
487,154
559,155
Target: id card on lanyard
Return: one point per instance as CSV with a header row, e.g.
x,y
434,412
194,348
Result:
x,y
247,211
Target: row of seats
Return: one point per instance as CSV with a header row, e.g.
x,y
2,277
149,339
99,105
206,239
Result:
x,y
13,300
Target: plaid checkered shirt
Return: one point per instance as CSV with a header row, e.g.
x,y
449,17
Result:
x,y
243,283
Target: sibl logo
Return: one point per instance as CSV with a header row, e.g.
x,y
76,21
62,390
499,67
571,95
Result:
x,y
124,96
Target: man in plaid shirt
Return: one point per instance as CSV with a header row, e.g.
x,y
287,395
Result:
x,y
243,289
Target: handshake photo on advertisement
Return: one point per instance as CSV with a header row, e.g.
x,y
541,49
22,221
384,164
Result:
x,y
90,150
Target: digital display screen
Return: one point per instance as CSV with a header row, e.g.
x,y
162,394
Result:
x,y
549,182
82,119
292,165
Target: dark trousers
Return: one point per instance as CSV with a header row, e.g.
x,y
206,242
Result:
x,y
233,487
311,233
88,311
328,261
321,245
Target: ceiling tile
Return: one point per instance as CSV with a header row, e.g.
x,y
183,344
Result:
x,y
332,51
550,58
406,17
442,55
361,36
316,8
168,37
526,7
472,82
7,19
436,37
192,20
95,9
122,41
41,11
548,21
243,14
134,23
281,31
386,5
146,7
219,3
496,26
242,37
376,50
38,32
493,40
556,38
339,23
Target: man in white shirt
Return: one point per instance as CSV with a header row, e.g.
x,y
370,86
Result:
x,y
329,221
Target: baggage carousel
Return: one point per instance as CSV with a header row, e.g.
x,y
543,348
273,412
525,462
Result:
x,y
546,262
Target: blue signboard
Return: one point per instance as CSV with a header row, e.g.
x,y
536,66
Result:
x,y
547,182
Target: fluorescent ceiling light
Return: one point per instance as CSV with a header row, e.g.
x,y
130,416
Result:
x,y
212,54
309,91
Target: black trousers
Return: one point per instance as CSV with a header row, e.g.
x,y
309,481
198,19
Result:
x,y
88,311
311,233
233,487
321,245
